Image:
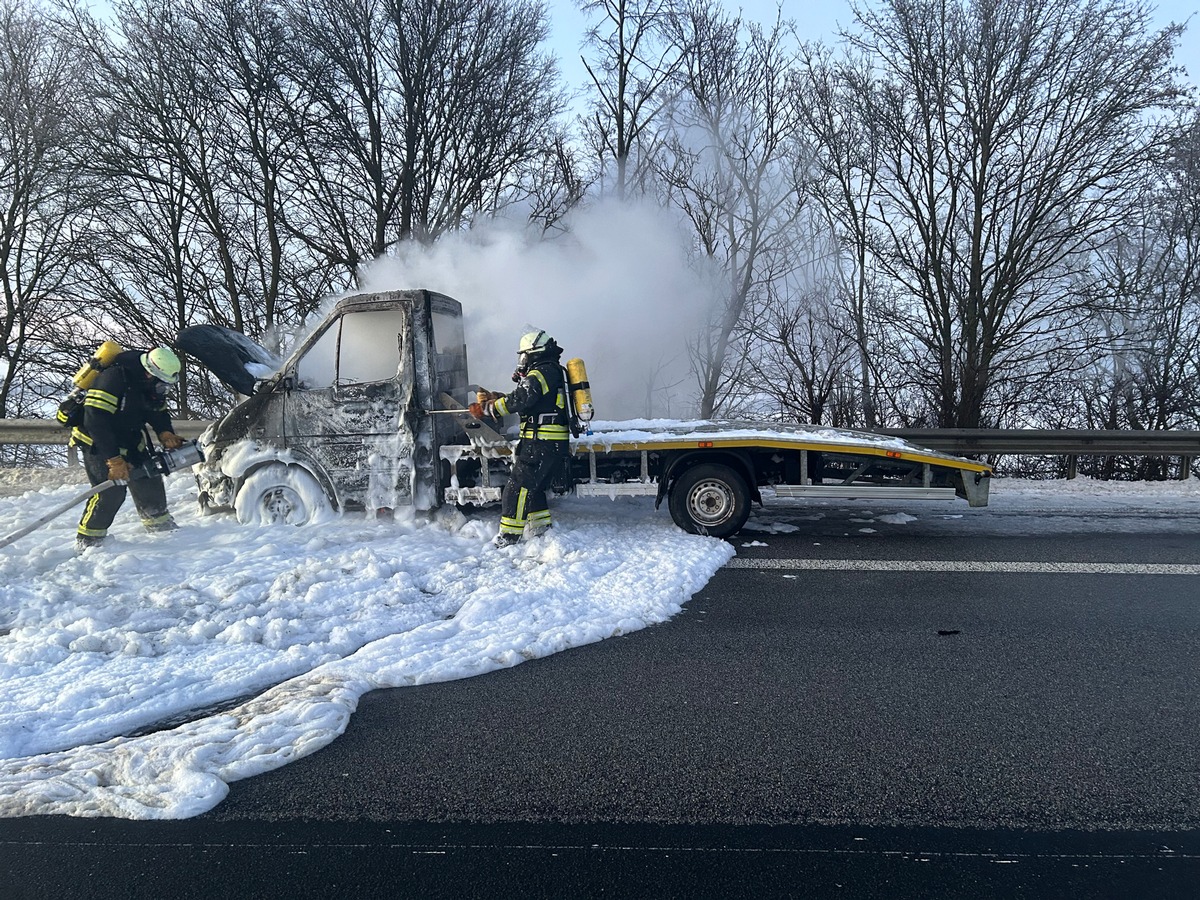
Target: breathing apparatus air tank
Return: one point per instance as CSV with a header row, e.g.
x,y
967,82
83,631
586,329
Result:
x,y
89,370
581,392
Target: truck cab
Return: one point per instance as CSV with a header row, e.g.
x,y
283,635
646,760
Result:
x,y
342,423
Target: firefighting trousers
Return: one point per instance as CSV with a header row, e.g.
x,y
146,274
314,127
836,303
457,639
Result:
x,y
149,497
524,501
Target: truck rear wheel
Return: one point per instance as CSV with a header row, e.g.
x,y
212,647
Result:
x,y
279,494
710,499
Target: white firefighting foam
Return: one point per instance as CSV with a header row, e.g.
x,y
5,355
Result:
x,y
304,620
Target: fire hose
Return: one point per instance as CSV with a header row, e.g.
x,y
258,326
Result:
x,y
161,462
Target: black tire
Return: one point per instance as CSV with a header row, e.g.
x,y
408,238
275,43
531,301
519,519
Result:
x,y
710,499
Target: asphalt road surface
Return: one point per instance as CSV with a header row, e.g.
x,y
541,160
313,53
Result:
x,y
1004,704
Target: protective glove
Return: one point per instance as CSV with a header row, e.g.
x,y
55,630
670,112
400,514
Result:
x,y
170,440
476,410
118,468
482,396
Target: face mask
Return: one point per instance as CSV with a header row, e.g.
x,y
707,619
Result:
x,y
159,389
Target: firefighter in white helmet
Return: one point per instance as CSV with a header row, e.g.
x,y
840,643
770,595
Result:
x,y
126,396
540,400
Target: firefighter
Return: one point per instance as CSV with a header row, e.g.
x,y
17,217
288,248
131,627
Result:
x,y
540,400
126,396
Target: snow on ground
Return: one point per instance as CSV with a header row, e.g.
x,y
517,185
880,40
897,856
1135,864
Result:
x,y
277,631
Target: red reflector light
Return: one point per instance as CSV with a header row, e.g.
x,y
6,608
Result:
x,y
893,454
704,443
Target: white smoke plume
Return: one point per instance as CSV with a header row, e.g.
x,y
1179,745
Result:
x,y
618,290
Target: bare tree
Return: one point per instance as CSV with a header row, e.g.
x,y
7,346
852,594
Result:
x,y
255,153
803,360
557,185
243,54
730,166
1147,281
479,104
419,117
845,165
1180,272
637,56
344,194
161,253
1009,131
43,198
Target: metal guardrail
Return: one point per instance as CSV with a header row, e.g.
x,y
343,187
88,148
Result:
x,y
47,431
1051,442
962,441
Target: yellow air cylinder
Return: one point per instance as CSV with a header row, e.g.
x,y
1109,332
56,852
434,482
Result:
x,y
581,390
89,370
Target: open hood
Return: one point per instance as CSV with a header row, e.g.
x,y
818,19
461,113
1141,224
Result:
x,y
236,360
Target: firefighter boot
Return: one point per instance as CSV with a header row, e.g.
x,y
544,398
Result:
x,y
87,541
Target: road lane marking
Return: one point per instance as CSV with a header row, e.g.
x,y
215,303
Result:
x,y
959,565
1165,855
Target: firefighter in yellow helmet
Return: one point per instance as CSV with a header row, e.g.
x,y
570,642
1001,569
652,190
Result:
x,y
126,396
540,400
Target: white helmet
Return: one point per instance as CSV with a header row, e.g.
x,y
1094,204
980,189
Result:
x,y
163,364
534,340
533,346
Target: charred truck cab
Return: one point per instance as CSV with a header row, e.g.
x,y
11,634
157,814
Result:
x,y
342,423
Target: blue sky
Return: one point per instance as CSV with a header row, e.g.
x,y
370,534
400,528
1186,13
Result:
x,y
819,19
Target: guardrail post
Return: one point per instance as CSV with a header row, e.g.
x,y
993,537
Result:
x,y
1185,468
1072,466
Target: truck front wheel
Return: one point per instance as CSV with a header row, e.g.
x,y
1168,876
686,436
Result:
x,y
710,499
279,494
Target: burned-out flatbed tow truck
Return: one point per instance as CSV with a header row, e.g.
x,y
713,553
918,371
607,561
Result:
x,y
369,414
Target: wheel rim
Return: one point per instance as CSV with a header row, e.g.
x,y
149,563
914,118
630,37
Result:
x,y
282,504
710,502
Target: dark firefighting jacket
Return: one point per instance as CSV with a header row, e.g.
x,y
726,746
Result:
x,y
540,400
119,403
